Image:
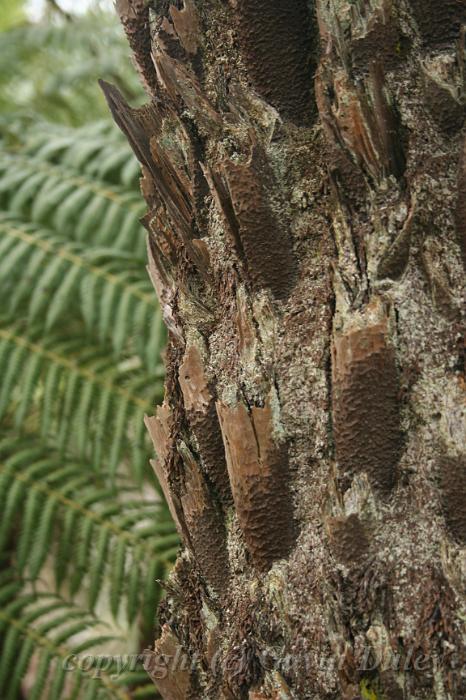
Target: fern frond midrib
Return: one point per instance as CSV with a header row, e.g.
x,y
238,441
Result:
x,y
61,652
119,534
66,175
74,367
61,252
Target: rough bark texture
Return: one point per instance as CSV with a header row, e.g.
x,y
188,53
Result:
x,y
304,170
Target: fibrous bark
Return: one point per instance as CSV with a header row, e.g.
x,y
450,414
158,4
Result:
x,y
304,169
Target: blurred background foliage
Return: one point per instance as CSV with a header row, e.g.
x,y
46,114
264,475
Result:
x,y
84,533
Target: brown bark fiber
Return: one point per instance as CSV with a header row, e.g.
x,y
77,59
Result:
x,y
304,169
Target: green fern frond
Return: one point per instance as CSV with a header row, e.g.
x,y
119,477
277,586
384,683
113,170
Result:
x,y
96,149
80,341
57,65
49,629
82,397
51,498
113,300
72,202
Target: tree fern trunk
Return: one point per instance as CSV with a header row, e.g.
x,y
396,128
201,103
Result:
x,y
304,167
